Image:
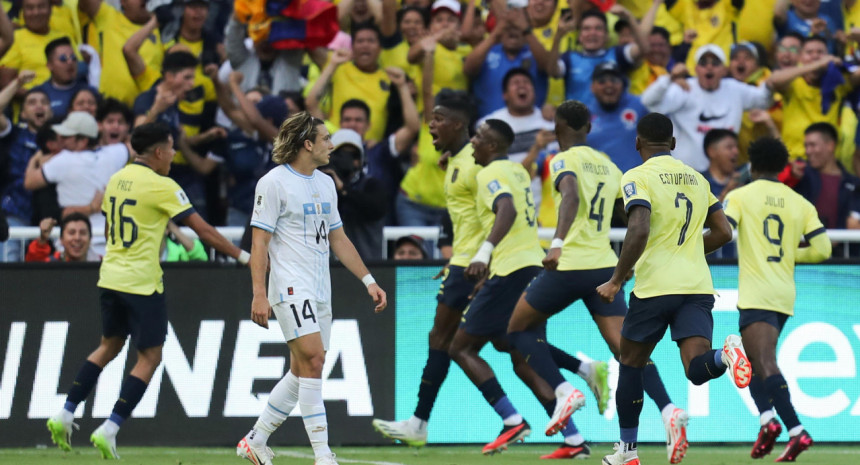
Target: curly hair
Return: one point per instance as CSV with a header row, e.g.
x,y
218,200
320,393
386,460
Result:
x,y
292,136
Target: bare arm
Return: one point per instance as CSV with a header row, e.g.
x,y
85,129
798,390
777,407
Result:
x,y
427,73
7,34
225,101
720,231
473,62
638,229
344,9
258,264
781,78
506,214
10,91
640,39
569,189
346,253
131,49
210,236
566,24
820,249
266,129
322,83
33,176
780,12
183,240
404,136
388,25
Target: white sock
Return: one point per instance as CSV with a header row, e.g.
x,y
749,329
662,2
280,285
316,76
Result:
x,y
313,415
110,428
666,413
563,390
66,416
417,424
766,416
512,420
574,440
795,431
585,370
282,401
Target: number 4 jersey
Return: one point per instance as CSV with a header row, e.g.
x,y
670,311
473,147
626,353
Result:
x,y
137,204
299,211
680,200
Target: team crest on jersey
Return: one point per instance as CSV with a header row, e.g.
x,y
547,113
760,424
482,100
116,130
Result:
x,y
494,186
454,174
547,33
558,165
183,199
629,189
323,208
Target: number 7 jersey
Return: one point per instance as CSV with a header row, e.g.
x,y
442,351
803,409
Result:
x,y
299,211
680,200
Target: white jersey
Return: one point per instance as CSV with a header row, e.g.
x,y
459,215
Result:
x,y
299,211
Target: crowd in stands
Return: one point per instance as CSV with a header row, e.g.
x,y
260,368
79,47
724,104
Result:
x,y
77,77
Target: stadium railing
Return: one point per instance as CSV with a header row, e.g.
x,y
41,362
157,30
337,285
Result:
x,y
843,237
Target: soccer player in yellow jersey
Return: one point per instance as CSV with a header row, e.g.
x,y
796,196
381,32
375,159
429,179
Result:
x,y
771,219
138,202
586,186
668,206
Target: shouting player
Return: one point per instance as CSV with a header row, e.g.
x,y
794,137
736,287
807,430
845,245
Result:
x,y
586,184
138,201
668,205
771,220
295,222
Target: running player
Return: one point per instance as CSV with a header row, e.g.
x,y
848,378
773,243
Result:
x,y
771,220
296,222
449,128
586,185
138,201
668,205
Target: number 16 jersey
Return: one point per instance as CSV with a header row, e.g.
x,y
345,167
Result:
x,y
680,200
299,211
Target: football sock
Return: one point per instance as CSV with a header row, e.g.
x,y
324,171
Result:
x,y
718,359
628,401
795,431
766,416
282,401
704,368
564,360
532,345
654,385
435,372
495,396
313,414
86,378
778,390
760,395
574,439
129,395
417,424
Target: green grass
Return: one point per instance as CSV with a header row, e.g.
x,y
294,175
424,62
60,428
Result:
x,y
459,455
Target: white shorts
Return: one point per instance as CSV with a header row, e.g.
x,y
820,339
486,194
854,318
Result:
x,y
299,317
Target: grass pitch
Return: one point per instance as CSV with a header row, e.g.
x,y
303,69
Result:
x,y
434,455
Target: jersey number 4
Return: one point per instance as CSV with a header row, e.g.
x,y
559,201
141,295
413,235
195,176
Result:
x,y
598,215
307,313
124,222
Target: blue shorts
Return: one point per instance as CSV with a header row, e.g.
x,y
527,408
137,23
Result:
x,y
553,291
144,317
492,307
686,314
455,289
754,315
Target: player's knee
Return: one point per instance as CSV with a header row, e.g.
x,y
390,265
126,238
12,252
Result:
x,y
313,365
501,345
439,339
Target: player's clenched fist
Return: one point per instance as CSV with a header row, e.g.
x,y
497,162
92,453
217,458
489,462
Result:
x,y
260,311
550,262
608,290
379,297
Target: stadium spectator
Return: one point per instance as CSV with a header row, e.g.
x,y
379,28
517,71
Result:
x,y
445,30
86,99
178,247
805,18
711,22
400,30
614,114
362,200
7,34
262,66
115,120
45,204
824,181
656,63
410,248
721,148
787,53
64,81
75,237
745,66
698,104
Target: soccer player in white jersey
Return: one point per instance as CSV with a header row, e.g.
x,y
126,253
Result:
x,y
295,221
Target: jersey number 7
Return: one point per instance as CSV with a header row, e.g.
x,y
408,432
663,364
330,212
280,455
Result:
x,y
689,203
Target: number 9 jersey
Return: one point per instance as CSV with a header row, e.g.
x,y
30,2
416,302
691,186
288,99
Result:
x,y
137,204
299,211
680,200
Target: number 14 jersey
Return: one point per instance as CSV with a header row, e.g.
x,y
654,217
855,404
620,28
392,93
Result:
x,y
299,211
680,200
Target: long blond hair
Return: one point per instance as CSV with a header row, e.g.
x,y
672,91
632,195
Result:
x,y
292,136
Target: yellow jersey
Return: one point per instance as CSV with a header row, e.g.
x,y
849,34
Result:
x,y
851,19
28,53
802,107
108,32
397,57
586,246
751,131
771,220
348,82
461,188
137,204
448,68
755,23
714,25
680,200
546,35
520,247
424,182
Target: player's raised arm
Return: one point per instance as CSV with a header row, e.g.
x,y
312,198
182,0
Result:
x,y
346,253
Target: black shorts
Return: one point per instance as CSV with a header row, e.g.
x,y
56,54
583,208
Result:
x,y
553,291
749,316
455,289
686,314
492,307
144,317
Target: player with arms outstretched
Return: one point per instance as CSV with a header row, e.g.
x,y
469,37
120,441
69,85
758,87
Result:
x,y
771,220
296,223
586,185
138,201
668,206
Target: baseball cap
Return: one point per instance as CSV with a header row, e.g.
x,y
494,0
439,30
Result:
x,y
347,137
713,49
417,241
606,68
273,108
78,123
451,5
745,45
